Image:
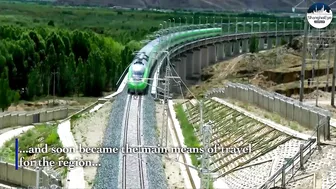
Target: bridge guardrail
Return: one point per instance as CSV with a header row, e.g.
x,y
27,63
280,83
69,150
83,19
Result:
x,y
226,37
306,152
308,149
221,38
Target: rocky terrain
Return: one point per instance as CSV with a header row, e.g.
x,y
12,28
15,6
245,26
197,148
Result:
x,y
276,70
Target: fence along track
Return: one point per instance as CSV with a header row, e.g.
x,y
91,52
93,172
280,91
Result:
x,y
131,178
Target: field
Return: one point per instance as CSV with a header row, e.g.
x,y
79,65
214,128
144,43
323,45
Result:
x,y
127,24
119,25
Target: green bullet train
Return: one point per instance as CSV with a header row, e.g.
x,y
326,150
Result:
x,y
143,63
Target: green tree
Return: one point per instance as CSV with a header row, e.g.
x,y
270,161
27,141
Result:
x,y
67,44
110,67
87,63
283,41
79,77
254,44
66,79
34,84
51,23
6,93
95,74
2,63
16,98
71,68
80,45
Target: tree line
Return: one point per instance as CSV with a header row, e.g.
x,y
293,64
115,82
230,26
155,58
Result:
x,y
39,61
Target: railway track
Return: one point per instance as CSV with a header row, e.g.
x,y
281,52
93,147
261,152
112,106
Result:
x,y
132,163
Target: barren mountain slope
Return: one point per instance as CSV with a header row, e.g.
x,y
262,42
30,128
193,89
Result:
x,y
239,5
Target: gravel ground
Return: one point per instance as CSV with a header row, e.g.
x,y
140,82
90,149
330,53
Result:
x,y
89,131
172,168
132,161
107,174
154,165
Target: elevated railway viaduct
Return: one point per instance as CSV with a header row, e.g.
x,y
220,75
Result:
x,y
190,58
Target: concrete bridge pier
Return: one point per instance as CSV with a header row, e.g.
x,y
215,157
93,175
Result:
x,y
277,41
163,68
174,87
189,65
288,39
228,49
236,48
204,59
196,69
180,69
245,46
269,43
220,51
162,72
212,54
184,71
261,44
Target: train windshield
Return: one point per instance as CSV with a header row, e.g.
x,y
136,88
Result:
x,y
138,71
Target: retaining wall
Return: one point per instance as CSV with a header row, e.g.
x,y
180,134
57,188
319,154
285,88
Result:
x,y
294,110
26,177
10,119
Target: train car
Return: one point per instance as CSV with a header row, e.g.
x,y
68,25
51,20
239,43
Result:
x,y
137,78
141,66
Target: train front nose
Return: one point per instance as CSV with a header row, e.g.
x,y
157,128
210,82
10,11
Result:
x,y
136,85
136,81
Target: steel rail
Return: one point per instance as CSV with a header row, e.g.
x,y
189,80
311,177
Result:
x,y
141,174
127,126
128,106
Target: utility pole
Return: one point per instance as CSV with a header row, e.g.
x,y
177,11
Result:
x,y
168,76
205,174
317,83
304,49
276,33
292,27
333,82
54,74
268,26
328,66
236,25
276,44
302,76
228,24
314,60
259,24
214,22
164,132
